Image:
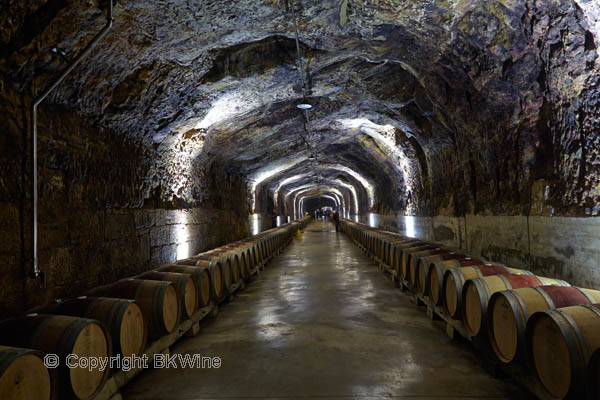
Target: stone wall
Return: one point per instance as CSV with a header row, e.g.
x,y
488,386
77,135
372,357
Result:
x,y
560,247
90,248
262,222
107,208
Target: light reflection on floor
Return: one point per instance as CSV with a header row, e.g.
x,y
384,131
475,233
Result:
x,y
322,321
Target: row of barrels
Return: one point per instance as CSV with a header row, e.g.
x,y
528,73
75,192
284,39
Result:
x,y
119,319
549,326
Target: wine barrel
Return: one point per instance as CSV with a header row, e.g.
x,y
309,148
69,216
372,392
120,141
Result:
x,y
234,263
200,275
236,269
184,285
63,336
406,255
386,241
23,375
124,320
157,299
560,343
378,246
244,267
454,280
253,256
427,263
225,269
232,253
394,254
215,270
398,247
187,261
257,247
415,262
437,271
477,292
509,310
385,256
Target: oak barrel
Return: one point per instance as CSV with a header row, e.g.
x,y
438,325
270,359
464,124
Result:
x,y
437,271
215,270
244,266
200,275
233,253
23,375
63,336
454,280
394,251
124,320
415,262
183,284
397,247
427,263
560,343
509,310
236,269
477,292
406,253
157,299
224,263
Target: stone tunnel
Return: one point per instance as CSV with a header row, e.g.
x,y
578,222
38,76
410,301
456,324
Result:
x,y
332,131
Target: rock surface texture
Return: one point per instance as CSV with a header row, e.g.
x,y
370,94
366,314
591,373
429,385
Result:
x,y
420,107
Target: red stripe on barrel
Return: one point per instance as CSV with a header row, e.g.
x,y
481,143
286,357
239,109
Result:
x,y
521,281
487,270
565,296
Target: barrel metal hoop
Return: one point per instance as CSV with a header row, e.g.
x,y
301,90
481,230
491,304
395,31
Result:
x,y
567,328
573,325
506,282
587,296
482,286
546,296
157,305
458,286
67,342
116,313
592,308
525,272
7,357
516,301
460,282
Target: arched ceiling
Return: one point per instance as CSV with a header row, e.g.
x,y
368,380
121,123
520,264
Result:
x,y
420,106
313,203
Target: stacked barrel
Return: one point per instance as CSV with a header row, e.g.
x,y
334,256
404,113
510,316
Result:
x,y
545,325
118,319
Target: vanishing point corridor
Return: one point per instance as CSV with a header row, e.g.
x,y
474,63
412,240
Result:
x,y
322,321
158,158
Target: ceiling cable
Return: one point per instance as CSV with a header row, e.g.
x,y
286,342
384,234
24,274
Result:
x,y
305,106
300,67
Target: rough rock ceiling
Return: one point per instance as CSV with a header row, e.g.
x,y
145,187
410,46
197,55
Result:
x,y
439,106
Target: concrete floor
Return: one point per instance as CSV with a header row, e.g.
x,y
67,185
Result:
x,y
322,321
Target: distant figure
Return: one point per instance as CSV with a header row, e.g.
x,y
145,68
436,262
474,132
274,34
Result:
x,y
336,218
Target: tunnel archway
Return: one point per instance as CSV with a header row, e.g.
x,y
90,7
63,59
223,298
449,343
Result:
x,y
171,151
448,117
